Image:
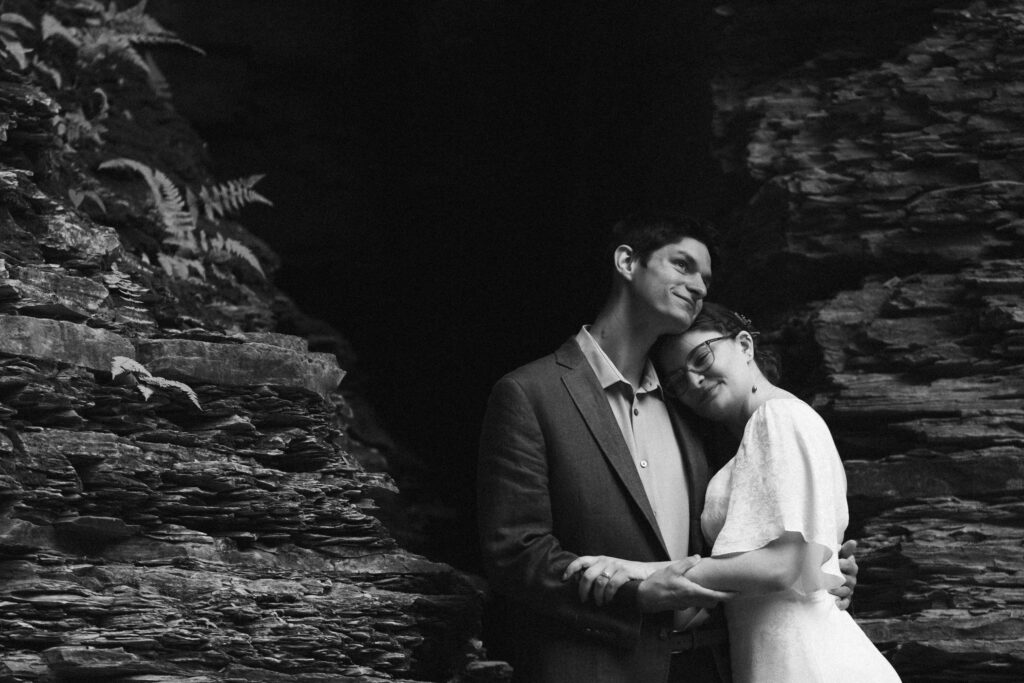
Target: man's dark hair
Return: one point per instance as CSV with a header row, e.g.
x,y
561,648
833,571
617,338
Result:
x,y
646,232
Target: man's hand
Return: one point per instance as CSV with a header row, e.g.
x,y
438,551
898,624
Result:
x,y
601,577
847,565
669,589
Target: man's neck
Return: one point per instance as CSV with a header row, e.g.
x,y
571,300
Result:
x,y
624,340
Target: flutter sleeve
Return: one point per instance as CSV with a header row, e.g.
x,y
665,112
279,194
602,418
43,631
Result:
x,y
788,477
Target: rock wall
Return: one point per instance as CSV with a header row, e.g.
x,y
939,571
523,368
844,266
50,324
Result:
x,y
884,236
181,494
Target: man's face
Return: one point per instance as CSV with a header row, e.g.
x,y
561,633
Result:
x,y
672,285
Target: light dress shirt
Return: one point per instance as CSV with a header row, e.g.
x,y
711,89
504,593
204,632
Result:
x,y
643,419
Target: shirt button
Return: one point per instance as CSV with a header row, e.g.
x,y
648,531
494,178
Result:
x,y
636,411
643,463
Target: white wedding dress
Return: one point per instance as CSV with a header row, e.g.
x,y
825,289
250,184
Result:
x,y
787,477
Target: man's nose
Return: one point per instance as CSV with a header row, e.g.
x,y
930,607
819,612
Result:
x,y
697,285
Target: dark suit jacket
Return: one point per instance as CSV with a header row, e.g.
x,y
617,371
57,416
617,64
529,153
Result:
x,y
556,480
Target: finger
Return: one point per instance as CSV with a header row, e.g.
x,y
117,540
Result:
x,y
706,597
612,586
579,564
847,549
843,603
842,592
589,579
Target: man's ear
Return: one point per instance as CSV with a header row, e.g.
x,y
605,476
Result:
x,y
625,262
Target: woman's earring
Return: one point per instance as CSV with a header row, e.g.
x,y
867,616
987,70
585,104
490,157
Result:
x,y
753,389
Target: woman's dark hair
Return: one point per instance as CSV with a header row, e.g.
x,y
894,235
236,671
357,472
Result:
x,y
717,318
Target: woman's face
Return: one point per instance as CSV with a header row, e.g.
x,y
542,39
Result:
x,y
710,371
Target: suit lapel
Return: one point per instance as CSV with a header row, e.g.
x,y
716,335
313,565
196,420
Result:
x,y
590,400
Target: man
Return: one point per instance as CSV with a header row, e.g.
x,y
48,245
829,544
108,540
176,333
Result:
x,y
580,454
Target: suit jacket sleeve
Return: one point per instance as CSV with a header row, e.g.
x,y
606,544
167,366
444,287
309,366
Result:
x,y
522,555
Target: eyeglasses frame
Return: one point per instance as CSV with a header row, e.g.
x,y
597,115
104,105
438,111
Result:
x,y
679,374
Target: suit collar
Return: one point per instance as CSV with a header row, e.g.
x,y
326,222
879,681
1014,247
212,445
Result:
x,y
588,395
586,392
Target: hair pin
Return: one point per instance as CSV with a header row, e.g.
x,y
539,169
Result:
x,y
745,321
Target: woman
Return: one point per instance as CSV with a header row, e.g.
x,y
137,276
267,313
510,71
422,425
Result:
x,y
775,515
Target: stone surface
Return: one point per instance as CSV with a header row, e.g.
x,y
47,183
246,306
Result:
x,y
62,342
52,294
250,364
153,531
883,234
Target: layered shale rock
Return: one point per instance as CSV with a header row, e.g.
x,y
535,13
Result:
x,y
180,493
885,235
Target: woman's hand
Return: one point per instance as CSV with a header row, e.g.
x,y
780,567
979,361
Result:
x,y
670,589
601,577
848,566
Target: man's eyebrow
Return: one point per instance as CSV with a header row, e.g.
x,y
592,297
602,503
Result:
x,y
692,262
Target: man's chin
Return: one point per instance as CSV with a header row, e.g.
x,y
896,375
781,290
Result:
x,y
682,321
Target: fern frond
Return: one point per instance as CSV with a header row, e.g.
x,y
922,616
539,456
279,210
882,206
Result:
x,y
232,247
179,220
231,196
146,380
112,33
157,80
181,268
51,26
123,364
44,68
16,50
164,383
140,28
99,43
14,19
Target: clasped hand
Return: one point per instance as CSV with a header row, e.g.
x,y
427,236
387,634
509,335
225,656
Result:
x,y
663,584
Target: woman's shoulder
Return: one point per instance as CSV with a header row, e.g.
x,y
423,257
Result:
x,y
787,413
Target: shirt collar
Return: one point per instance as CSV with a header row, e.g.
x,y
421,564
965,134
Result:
x,y
607,374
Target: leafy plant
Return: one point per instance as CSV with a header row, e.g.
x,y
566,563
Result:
x,y
231,196
177,218
146,382
180,216
110,33
11,41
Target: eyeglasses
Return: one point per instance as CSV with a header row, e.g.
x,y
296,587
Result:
x,y
699,360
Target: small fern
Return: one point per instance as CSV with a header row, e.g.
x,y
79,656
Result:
x,y
180,267
74,127
146,381
230,197
180,217
232,247
112,33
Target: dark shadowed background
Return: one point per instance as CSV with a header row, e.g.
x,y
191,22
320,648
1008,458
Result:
x,y
443,173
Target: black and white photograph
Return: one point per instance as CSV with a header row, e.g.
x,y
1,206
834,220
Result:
x,y
480,341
